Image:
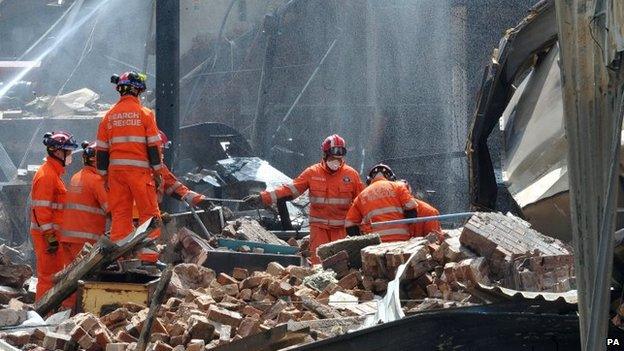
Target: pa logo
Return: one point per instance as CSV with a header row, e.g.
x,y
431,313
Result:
x,y
346,179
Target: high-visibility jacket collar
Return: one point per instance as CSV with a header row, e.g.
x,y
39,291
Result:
x,y
376,179
90,169
56,165
130,98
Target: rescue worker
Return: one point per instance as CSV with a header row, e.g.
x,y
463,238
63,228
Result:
x,y
84,213
171,186
128,157
382,200
424,210
47,199
333,185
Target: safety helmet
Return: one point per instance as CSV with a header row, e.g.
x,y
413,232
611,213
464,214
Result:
x,y
407,184
88,152
130,82
385,170
163,138
60,140
334,145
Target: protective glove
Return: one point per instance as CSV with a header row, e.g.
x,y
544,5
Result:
x,y
253,201
165,217
53,243
205,204
158,179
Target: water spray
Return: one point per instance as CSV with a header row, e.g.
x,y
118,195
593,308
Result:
x,y
52,47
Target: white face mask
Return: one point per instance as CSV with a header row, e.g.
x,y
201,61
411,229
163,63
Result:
x,y
68,159
334,164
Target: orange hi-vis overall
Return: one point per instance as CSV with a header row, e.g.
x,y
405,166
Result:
x,y
47,200
331,195
381,201
171,186
423,228
128,152
84,216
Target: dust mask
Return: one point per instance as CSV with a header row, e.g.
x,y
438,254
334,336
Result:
x,y
334,164
68,159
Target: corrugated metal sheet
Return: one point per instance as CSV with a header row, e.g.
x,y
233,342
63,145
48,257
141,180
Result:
x,y
568,297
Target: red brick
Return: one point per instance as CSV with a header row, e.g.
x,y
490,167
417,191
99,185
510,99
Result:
x,y
299,272
350,281
161,346
279,289
204,302
249,326
88,343
17,339
102,338
245,295
196,345
274,311
123,336
224,279
118,315
77,333
201,328
339,263
117,346
250,311
240,273
55,341
230,289
275,269
224,316
252,282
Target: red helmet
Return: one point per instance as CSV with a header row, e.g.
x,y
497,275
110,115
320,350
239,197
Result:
x,y
130,82
163,138
59,141
334,145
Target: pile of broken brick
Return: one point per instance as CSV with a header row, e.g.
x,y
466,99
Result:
x,y
15,276
296,305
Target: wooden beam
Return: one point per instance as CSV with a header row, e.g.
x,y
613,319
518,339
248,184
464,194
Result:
x,y
102,254
157,299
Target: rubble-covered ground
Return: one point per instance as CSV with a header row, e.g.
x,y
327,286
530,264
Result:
x,y
296,305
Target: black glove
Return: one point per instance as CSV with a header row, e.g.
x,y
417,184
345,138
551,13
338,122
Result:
x,y
205,204
254,201
165,217
353,230
158,179
53,243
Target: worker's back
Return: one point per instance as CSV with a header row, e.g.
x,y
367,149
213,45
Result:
x,y
86,204
126,131
381,201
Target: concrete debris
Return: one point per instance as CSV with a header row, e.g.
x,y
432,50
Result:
x,y
250,230
13,278
352,245
320,280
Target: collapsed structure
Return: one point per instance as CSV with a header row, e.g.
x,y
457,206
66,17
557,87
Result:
x,y
277,305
